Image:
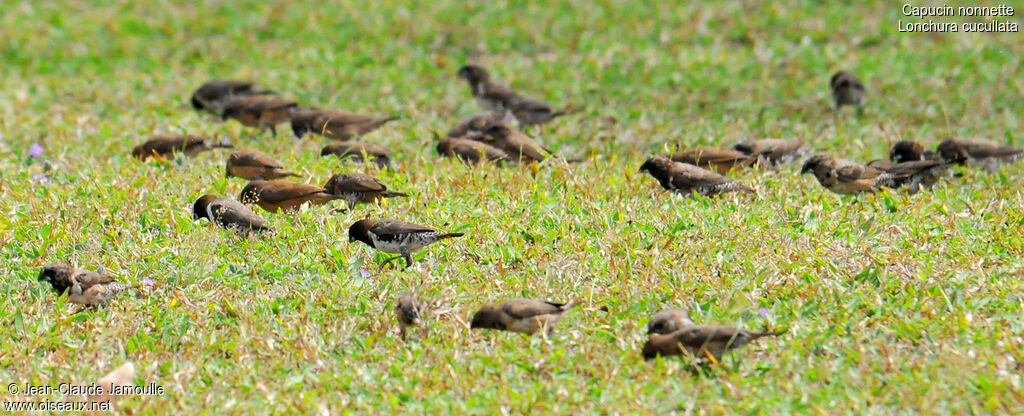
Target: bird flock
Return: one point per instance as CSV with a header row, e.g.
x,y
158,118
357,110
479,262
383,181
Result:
x,y
496,136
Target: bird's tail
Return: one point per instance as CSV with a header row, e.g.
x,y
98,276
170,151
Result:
x,y
744,188
291,174
766,334
568,306
384,121
392,194
449,235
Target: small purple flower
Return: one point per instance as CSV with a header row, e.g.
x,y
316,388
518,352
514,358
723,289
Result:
x,y
147,282
40,178
226,141
365,273
763,312
35,150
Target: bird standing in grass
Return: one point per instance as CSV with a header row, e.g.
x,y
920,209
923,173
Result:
x,y
164,146
359,152
262,111
229,214
359,188
408,311
777,152
252,165
982,153
848,178
492,95
335,124
473,152
685,178
525,316
83,287
393,236
284,195
708,342
215,94
847,89
718,160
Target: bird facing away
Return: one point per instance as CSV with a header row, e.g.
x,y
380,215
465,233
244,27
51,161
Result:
x,y
335,124
262,111
847,89
718,160
701,341
981,153
525,316
408,311
513,142
359,188
213,95
848,178
473,152
393,236
359,152
777,152
685,178
669,320
283,195
165,145
492,95
252,164
83,287
229,214
479,122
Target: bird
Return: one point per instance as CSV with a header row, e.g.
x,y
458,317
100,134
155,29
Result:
x,y
777,152
909,151
214,94
283,195
253,164
525,316
849,178
513,142
847,89
669,320
359,188
229,214
480,122
393,236
684,178
83,287
335,124
165,145
473,152
702,341
262,111
359,152
408,311
718,160
981,153
916,174
492,95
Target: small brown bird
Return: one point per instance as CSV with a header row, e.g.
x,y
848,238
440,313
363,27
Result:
x,y
777,152
685,178
83,287
229,214
252,164
525,316
284,195
392,236
473,152
513,142
262,111
915,173
492,95
213,95
847,89
359,152
848,178
338,124
701,341
669,320
359,188
718,160
165,145
302,119
981,153
409,312
479,122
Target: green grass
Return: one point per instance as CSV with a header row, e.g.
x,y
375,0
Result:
x,y
893,303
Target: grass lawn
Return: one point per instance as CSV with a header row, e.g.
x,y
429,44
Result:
x,y
892,303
